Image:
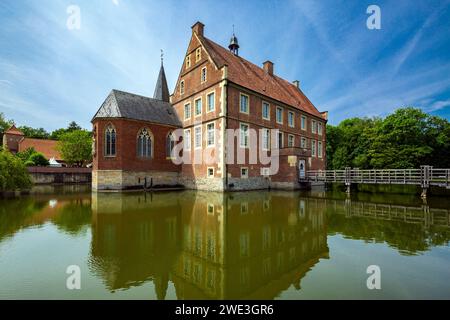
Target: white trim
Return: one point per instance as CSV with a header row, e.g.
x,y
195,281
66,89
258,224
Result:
x,y
195,106
188,61
198,53
313,150
304,128
190,139
319,126
262,110
245,176
190,110
182,87
207,172
301,142
206,75
248,103
319,149
278,139
293,119
276,114
313,126
293,140
207,134
214,105
195,137
248,135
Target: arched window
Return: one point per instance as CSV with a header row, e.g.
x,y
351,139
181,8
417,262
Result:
x,y
170,144
144,144
110,141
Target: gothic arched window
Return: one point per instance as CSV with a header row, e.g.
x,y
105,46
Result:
x,y
144,144
170,144
110,141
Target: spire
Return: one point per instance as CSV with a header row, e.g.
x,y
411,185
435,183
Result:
x,y
161,89
234,45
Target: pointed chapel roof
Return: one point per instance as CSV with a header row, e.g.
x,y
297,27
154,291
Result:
x,y
161,89
126,105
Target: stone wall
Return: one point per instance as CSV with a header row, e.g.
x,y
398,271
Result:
x,y
49,175
122,180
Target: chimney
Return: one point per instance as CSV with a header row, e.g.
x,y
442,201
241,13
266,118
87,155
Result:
x,y
268,67
296,83
198,28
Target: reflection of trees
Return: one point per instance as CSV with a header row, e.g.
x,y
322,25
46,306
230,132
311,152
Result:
x,y
14,213
74,217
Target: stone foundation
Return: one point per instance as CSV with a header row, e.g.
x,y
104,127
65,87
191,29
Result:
x,y
207,184
122,180
252,183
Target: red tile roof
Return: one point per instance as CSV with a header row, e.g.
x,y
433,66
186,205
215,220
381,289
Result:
x,y
46,147
14,130
249,75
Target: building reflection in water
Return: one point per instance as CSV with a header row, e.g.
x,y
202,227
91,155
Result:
x,y
210,245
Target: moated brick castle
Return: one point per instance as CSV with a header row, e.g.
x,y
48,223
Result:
x,y
217,93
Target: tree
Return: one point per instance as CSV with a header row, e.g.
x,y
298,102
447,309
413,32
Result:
x,y
39,133
38,159
73,126
13,173
76,147
4,124
30,157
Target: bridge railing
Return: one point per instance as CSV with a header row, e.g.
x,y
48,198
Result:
x,y
425,176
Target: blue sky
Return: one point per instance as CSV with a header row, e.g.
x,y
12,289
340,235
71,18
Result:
x,y
50,75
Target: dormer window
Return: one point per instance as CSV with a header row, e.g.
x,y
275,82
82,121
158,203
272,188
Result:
x,y
198,54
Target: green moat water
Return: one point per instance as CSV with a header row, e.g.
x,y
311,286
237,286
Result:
x,y
199,245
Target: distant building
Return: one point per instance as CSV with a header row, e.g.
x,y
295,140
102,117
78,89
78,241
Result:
x,y
15,141
217,91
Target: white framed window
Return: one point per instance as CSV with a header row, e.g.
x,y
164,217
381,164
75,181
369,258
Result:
x,y
203,75
210,174
198,54
291,119
280,140
313,148
144,144
319,149
279,115
313,126
265,110
319,128
244,101
303,123
182,87
188,61
198,137
198,106
265,139
187,111
210,102
303,143
187,139
291,141
243,135
210,134
244,172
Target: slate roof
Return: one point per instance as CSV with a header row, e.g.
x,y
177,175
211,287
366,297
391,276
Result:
x,y
126,105
161,89
249,75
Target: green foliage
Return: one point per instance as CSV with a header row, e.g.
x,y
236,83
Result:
x,y
73,126
4,124
39,159
38,133
13,173
30,157
76,147
407,138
